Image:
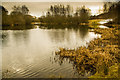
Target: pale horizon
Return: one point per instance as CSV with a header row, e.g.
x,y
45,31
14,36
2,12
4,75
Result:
x,y
39,8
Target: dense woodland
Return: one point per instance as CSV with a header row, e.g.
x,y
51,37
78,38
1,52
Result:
x,y
60,14
111,10
19,16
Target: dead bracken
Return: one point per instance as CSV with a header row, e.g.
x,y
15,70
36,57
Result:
x,y
100,54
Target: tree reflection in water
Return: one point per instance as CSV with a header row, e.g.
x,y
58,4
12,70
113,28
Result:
x,y
82,32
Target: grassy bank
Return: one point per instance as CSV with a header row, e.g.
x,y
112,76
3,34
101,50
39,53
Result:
x,y
101,55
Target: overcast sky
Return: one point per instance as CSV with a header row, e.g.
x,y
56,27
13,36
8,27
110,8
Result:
x,y
39,7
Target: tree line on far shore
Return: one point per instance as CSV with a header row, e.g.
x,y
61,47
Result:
x,y
18,16
111,10
60,14
57,14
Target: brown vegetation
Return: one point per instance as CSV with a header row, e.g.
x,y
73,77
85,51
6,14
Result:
x,y
99,56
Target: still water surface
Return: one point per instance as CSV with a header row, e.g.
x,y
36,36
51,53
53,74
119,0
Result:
x,y
30,53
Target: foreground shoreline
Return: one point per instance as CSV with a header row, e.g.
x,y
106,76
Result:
x,y
101,57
